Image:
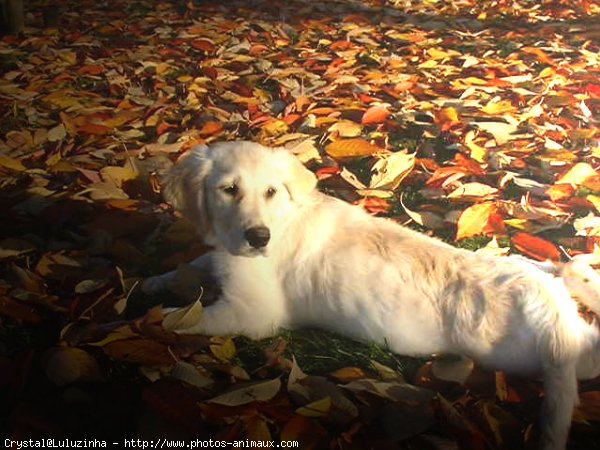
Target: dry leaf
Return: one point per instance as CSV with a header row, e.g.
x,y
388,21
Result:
x,y
578,174
472,191
64,365
390,169
345,148
183,318
260,391
375,114
536,247
474,219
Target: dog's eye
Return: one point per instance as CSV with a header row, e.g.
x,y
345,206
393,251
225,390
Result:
x,y
270,192
231,189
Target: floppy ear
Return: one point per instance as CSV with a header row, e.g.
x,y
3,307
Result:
x,y
298,180
183,187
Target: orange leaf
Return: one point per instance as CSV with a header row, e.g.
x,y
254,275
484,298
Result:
x,y
341,45
345,148
374,205
209,128
539,54
375,114
474,219
535,247
445,115
559,191
91,69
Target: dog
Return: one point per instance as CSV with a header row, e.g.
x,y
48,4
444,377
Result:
x,y
287,255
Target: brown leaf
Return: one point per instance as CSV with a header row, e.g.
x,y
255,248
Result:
x,y
18,310
63,365
589,406
141,351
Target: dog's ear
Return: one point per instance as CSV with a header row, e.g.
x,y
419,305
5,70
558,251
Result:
x,y
298,180
183,187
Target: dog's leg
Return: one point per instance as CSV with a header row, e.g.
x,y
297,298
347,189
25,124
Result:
x,y
225,319
252,301
163,282
560,387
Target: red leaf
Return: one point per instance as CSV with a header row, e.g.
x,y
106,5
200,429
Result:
x,y
536,247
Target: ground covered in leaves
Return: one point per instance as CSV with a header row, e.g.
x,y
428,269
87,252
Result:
x,y
474,121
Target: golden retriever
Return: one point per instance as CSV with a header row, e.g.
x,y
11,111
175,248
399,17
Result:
x,y
289,256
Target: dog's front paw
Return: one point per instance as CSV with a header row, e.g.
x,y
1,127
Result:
x,y
153,285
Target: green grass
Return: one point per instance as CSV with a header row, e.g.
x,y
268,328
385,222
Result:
x,y
321,352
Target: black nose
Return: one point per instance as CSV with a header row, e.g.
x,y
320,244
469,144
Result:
x,y
257,237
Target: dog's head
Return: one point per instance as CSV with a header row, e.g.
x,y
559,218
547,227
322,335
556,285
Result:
x,y
239,194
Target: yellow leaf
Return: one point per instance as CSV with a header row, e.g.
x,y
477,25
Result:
x,y
117,175
478,153
11,163
473,220
577,175
275,127
430,64
222,348
474,80
498,107
448,114
345,148
319,408
68,56
594,200
519,224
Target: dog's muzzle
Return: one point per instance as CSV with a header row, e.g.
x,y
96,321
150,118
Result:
x,y
257,237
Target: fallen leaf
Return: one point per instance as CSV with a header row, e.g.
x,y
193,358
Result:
x,y
578,174
64,365
375,114
536,247
474,219
183,318
259,391
390,169
472,191
345,148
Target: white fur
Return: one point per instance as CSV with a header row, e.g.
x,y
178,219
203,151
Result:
x,y
331,265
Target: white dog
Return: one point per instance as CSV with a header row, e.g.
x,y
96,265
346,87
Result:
x,y
289,256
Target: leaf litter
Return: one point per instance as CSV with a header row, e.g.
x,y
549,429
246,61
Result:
x,y
476,122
